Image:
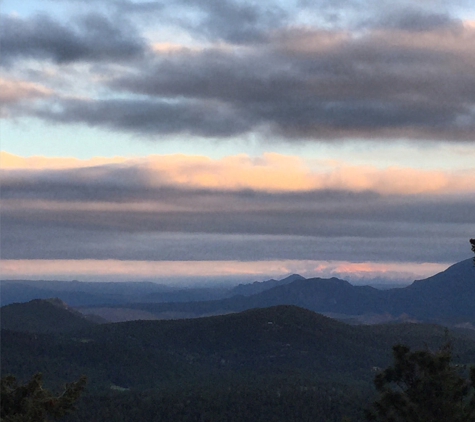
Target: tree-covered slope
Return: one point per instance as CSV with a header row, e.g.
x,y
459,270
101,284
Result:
x,y
180,370
277,340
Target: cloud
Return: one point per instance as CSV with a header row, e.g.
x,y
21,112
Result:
x,y
250,69
13,91
238,22
15,162
270,172
303,84
91,37
89,239
149,117
269,207
414,20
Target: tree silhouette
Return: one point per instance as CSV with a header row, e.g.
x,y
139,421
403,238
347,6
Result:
x,y
423,386
472,242
32,403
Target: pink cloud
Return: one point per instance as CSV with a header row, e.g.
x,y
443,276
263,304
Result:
x,y
12,91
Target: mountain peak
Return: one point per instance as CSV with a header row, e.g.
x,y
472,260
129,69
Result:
x,y
457,276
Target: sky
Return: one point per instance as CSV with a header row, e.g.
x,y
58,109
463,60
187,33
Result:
x,y
236,140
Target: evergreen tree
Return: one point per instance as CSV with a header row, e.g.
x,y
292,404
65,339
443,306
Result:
x,y
32,403
472,242
423,386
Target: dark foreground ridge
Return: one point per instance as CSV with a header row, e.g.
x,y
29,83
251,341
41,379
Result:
x,y
278,357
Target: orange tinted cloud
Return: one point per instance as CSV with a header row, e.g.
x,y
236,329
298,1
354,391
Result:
x,y
15,162
269,172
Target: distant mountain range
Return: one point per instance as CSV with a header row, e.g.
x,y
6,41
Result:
x,y
447,298
78,293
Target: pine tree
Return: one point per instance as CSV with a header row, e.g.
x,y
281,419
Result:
x,y
472,242
423,386
32,403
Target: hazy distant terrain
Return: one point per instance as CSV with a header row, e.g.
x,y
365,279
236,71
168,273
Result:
x,y
77,293
446,298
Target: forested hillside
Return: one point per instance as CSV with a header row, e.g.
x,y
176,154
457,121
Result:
x,y
296,364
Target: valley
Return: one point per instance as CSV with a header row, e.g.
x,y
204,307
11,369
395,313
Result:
x,y
267,349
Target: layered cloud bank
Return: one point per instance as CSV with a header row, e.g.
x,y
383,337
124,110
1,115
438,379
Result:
x,y
314,71
270,208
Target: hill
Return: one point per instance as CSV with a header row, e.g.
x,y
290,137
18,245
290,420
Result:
x,y
260,341
289,360
42,316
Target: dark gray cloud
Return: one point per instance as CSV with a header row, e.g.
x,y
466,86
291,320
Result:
x,y
405,72
414,20
92,37
195,212
149,116
27,240
367,87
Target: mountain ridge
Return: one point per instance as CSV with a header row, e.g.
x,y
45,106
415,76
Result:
x,y
447,297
